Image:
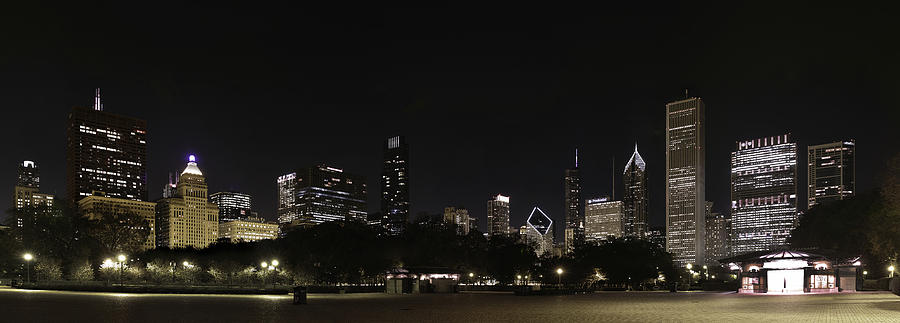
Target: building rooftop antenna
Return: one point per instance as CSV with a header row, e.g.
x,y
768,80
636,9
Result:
x,y
97,104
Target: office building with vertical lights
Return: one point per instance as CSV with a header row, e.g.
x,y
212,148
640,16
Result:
x,y
832,172
686,180
320,194
232,205
763,193
603,219
395,185
498,216
188,219
105,152
458,218
635,196
574,225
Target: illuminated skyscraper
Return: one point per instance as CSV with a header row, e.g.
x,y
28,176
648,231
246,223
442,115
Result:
x,y
635,199
763,193
319,194
498,216
459,218
26,192
574,217
188,219
232,205
603,219
395,185
105,152
538,232
832,172
686,180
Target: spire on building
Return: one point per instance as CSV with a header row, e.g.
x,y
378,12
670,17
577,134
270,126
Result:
x,y
635,159
192,167
576,157
97,104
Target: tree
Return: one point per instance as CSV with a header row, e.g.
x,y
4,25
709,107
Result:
x,y
119,230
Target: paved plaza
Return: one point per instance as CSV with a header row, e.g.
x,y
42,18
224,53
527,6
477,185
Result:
x,y
53,306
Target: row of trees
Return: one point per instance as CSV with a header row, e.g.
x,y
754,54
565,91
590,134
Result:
x,y
68,246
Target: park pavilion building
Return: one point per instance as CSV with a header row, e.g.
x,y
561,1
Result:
x,y
793,272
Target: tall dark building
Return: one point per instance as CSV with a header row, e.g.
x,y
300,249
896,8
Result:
x,y
635,198
395,185
574,224
29,175
105,152
318,194
832,172
232,205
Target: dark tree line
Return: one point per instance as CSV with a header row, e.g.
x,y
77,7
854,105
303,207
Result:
x,y
326,254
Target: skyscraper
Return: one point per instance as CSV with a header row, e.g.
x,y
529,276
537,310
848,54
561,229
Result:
x,y
498,216
635,198
832,172
105,152
28,185
319,194
26,192
763,193
686,180
188,219
395,185
716,235
457,217
603,219
538,232
232,205
574,217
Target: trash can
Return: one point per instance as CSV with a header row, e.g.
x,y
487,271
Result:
x,y
300,295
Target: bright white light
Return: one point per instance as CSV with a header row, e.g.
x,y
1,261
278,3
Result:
x,y
275,263
502,198
122,258
786,264
559,271
689,266
192,159
27,257
264,264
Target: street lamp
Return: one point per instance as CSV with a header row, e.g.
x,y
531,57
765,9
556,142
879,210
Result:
x,y
891,269
121,259
559,272
28,257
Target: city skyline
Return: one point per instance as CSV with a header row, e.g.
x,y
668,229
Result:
x,y
532,82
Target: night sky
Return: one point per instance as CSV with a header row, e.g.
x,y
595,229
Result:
x,y
492,100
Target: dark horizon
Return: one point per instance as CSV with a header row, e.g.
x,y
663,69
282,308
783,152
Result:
x,y
489,103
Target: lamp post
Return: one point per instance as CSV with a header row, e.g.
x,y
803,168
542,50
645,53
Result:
x,y
122,260
28,257
274,268
559,272
891,269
